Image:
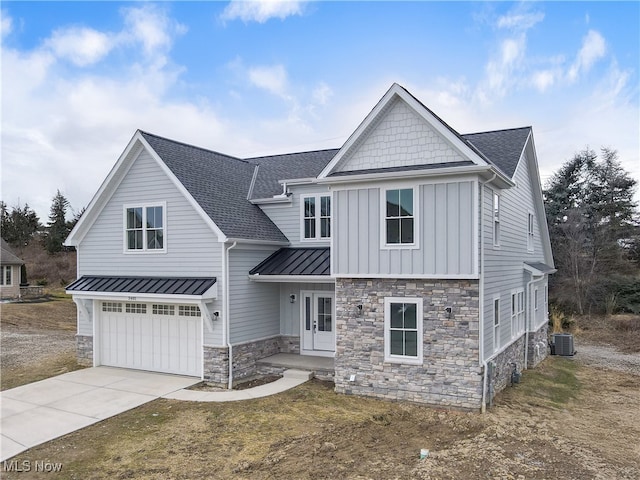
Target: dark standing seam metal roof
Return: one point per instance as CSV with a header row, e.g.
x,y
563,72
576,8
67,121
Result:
x,y
149,285
295,261
273,168
220,184
541,267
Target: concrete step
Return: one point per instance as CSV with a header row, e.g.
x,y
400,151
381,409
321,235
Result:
x,y
294,373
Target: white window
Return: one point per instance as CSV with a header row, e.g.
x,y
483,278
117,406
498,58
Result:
x,y
161,309
6,275
111,307
145,228
517,313
496,220
135,308
496,324
316,217
530,223
399,219
403,330
188,310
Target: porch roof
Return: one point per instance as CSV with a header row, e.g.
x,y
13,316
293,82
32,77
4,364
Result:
x,y
143,285
314,261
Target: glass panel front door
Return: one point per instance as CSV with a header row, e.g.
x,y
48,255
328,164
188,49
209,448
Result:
x,y
318,322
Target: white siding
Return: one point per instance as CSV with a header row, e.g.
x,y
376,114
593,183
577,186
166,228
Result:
x,y
445,225
400,138
504,264
85,322
255,306
290,312
288,217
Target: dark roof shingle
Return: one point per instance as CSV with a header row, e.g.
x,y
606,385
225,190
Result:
x,y
7,257
502,147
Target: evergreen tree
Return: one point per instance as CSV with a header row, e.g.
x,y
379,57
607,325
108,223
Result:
x,y
57,229
18,226
590,213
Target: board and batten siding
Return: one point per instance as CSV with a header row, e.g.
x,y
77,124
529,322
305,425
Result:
x,y
445,222
192,248
503,265
288,216
290,312
254,306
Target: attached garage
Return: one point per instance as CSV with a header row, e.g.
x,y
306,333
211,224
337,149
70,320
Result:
x,y
157,337
146,323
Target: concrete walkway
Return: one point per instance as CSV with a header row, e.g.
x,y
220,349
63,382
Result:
x,y
41,411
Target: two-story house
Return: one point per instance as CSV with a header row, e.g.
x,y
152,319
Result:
x,y
417,258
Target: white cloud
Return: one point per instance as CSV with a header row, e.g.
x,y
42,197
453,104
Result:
x,y
593,49
543,80
322,93
6,23
271,78
80,45
519,21
261,10
150,26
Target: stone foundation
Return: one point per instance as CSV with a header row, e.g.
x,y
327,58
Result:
x,y
503,365
289,344
449,375
215,365
84,350
538,346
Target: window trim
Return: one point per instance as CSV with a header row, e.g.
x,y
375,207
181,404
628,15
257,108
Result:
x,y
495,218
388,358
144,206
317,217
6,269
530,231
518,312
383,218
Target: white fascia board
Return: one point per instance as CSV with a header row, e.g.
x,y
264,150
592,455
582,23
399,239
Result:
x,y
293,278
397,91
539,202
297,181
106,190
271,200
210,294
249,241
430,276
486,171
207,219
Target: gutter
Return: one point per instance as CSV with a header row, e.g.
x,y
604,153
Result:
x,y
483,407
528,325
226,324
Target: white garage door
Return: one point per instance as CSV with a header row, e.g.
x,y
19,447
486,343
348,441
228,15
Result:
x,y
155,337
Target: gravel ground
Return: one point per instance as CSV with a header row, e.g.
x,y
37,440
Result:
x,y
23,348
605,356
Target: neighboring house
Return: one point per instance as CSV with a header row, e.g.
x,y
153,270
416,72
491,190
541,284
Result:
x,y
10,270
415,256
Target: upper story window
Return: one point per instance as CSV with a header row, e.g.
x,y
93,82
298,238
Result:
x,y
6,275
530,223
496,219
145,228
399,217
403,330
316,217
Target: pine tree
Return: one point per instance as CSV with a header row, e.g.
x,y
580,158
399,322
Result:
x,y
18,226
57,229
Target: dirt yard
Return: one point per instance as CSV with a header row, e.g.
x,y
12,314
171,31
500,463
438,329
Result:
x,y
571,418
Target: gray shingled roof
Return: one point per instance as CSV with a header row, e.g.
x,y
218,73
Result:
x,y
502,147
148,285
7,257
220,184
273,168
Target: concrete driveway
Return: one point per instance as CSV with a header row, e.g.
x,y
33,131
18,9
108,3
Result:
x,y
41,411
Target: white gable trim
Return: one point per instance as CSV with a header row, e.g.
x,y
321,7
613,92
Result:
x,y
396,91
133,150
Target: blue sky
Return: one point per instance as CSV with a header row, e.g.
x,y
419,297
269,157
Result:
x,y
254,78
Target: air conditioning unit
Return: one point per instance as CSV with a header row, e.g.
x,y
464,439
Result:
x,y
563,344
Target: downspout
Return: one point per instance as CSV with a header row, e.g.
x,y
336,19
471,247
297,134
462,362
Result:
x,y
226,324
483,407
528,323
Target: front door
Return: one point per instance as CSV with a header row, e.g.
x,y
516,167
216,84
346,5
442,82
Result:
x,y
318,322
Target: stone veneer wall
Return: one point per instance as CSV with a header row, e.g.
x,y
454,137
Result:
x,y
541,339
450,374
503,367
289,344
84,350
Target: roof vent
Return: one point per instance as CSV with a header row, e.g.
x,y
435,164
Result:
x,y
563,344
